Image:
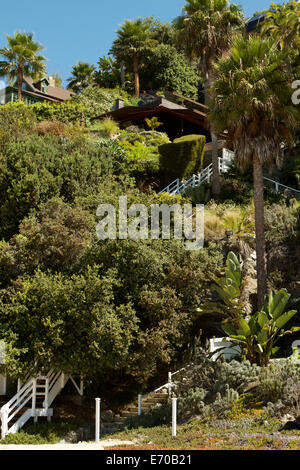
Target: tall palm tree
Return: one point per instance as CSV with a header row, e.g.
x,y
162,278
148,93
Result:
x,y
205,31
253,102
134,38
22,58
82,76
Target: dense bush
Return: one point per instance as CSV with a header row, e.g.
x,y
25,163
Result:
x,y
63,168
167,69
281,222
142,152
127,313
54,238
67,112
107,128
16,120
183,157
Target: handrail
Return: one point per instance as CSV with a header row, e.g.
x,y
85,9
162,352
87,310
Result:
x,y
18,394
196,180
48,385
277,185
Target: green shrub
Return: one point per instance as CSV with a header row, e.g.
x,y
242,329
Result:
x,y
281,222
107,128
183,157
16,120
200,195
41,433
67,112
38,168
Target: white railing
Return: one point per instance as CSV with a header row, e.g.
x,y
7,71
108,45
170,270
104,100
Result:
x,y
281,187
195,181
47,386
167,386
26,395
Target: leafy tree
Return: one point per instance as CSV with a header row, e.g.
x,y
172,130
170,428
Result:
x,y
73,323
108,74
253,102
97,101
205,31
22,58
163,33
127,314
82,76
133,40
167,69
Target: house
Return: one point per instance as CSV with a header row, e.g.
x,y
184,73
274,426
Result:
x,y
179,115
35,92
253,23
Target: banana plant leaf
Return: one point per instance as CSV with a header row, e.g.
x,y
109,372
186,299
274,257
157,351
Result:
x,y
284,318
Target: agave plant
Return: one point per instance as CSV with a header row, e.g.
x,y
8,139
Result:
x,y
258,336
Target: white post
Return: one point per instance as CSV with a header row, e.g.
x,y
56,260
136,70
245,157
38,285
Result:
x,y
4,424
35,418
170,383
45,404
81,385
277,188
97,429
3,382
174,417
140,411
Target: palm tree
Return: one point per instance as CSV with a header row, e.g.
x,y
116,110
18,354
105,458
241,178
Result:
x,y
253,102
134,38
282,23
205,31
22,58
82,77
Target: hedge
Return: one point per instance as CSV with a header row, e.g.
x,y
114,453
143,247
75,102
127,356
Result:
x,y
183,157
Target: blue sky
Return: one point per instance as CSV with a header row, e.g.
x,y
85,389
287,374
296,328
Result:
x,y
73,30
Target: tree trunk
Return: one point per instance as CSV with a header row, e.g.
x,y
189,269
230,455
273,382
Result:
x,y
261,264
136,74
122,69
214,139
20,83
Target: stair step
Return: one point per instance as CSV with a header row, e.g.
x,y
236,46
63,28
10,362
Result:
x,y
128,414
158,395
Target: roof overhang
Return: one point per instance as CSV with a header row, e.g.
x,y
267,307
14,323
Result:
x,y
135,113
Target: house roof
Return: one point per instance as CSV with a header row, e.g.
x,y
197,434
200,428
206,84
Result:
x,y
160,106
53,93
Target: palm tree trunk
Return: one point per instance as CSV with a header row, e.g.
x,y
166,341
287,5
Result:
x,y
136,74
20,82
261,265
214,138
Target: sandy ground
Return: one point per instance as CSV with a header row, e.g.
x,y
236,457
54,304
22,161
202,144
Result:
x,y
80,446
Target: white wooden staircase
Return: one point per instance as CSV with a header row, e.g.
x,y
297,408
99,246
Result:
x,y
33,400
196,180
